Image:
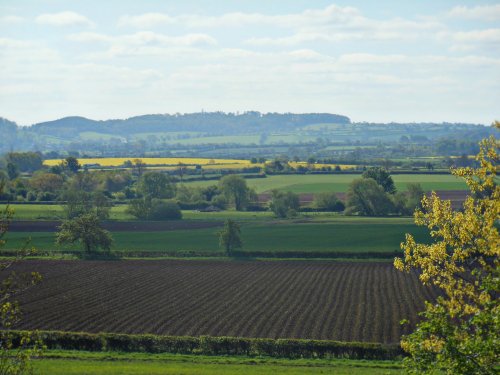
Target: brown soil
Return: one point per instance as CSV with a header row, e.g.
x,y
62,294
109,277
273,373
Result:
x,y
310,300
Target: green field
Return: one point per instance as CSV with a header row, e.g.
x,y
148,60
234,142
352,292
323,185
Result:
x,y
55,212
311,183
344,234
79,363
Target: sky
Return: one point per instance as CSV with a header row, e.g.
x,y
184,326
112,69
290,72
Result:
x,y
377,61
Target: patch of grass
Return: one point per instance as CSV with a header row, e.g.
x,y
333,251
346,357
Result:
x,y
73,363
56,212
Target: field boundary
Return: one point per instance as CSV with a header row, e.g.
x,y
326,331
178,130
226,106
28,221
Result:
x,y
211,345
242,255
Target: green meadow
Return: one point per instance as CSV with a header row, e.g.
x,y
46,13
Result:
x,y
315,183
79,363
342,234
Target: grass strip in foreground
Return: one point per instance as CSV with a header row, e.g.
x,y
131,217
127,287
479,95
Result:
x,y
77,362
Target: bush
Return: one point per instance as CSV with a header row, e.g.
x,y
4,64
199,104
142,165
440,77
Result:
x,y
46,196
198,205
219,201
284,204
31,196
328,202
165,210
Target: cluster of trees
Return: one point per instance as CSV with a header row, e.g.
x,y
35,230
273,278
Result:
x,y
157,196
374,194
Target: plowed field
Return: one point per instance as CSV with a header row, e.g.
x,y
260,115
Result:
x,y
312,300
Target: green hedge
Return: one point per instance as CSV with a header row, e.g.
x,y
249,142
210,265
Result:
x,y
208,345
318,254
387,255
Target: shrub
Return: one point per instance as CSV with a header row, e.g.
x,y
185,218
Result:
x,y
46,196
284,204
165,210
328,201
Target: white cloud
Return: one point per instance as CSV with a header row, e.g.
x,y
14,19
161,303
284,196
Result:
x,y
305,80
487,40
144,43
89,37
64,19
14,43
328,15
481,12
145,38
367,58
478,36
328,25
146,20
306,54
11,19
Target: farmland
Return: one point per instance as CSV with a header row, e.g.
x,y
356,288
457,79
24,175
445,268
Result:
x,y
309,300
312,183
115,162
335,234
173,163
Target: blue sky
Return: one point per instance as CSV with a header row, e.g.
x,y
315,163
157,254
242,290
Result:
x,y
407,61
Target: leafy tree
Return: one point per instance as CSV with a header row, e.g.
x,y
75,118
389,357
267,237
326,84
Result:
x,y
87,230
71,164
140,208
78,202
284,204
115,181
56,169
235,189
328,201
15,352
367,198
382,177
188,194
12,170
41,181
147,208
230,236
156,185
209,192
415,192
138,167
406,202
83,181
460,332
181,170
26,161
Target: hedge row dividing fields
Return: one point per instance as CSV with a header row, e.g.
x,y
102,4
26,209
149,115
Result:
x,y
361,302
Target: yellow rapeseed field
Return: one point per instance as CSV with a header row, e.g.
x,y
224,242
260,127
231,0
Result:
x,y
116,162
173,163
295,164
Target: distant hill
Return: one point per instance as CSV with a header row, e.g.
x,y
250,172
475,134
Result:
x,y
237,135
208,122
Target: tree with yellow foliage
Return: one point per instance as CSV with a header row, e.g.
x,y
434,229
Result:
x,y
460,331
